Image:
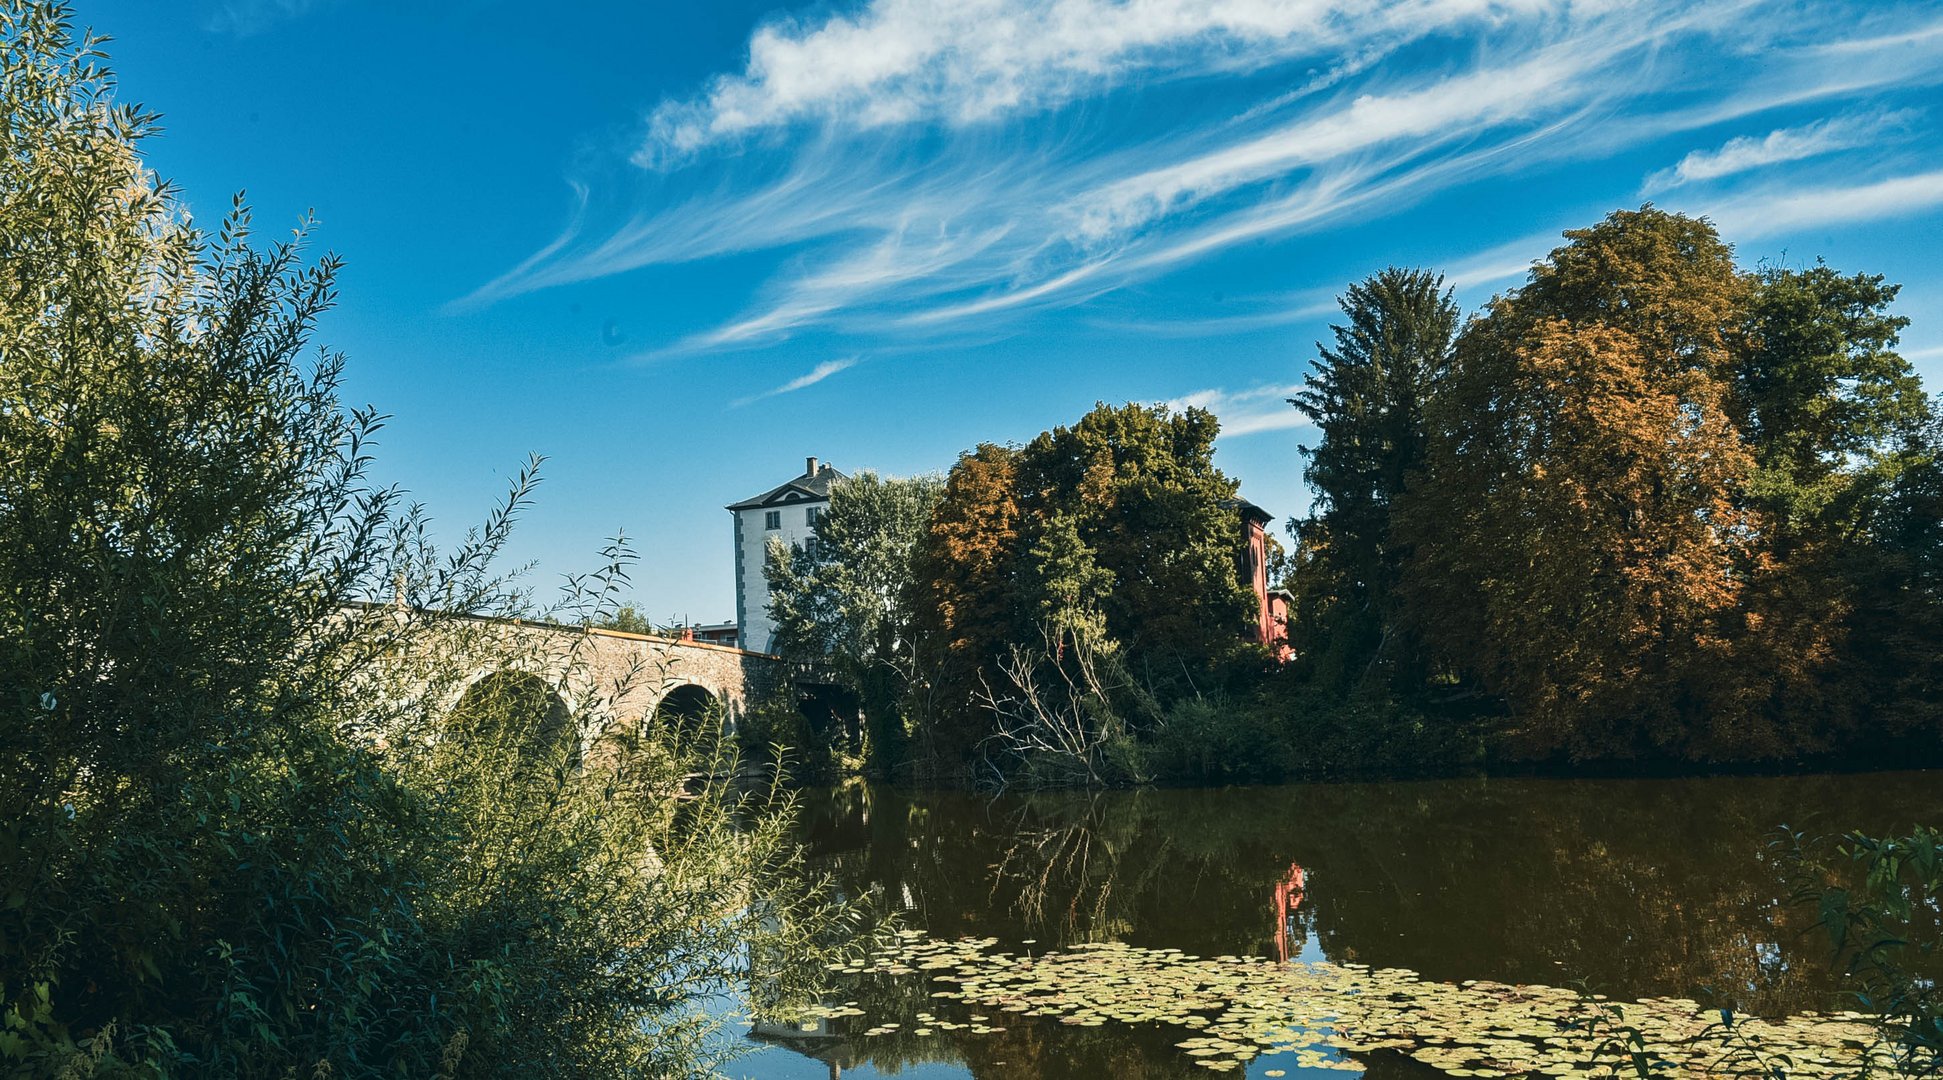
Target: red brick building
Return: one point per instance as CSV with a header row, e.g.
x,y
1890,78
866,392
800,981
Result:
x,y
1271,605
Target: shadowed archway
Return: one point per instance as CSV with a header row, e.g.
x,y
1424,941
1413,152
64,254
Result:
x,y
686,709
518,712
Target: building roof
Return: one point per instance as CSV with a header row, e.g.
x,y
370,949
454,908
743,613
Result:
x,y
812,486
1249,511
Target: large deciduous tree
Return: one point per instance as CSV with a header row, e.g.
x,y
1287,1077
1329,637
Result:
x,y
1827,404
1142,492
1116,537
1579,547
965,564
848,599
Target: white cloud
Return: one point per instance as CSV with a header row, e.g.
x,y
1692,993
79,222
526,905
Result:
x,y
1781,145
1445,110
1498,264
962,62
1247,412
1781,210
913,167
815,375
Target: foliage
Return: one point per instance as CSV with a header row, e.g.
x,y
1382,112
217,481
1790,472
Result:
x,y
964,566
1138,486
588,907
795,731
846,603
1111,542
240,833
1878,904
1367,397
1214,740
1898,621
1824,399
1577,538
628,619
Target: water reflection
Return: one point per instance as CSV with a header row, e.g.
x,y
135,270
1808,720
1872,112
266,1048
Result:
x,y
1639,887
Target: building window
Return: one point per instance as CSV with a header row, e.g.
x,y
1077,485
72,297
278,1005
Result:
x,y
772,519
811,514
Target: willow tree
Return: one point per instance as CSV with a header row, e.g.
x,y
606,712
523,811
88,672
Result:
x,y
239,834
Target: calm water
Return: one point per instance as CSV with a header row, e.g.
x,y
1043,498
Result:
x,y
1639,887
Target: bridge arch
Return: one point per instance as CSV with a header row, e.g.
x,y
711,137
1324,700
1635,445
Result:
x,y
685,707
539,718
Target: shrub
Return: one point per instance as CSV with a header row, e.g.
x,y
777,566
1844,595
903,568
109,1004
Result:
x,y
1214,740
238,836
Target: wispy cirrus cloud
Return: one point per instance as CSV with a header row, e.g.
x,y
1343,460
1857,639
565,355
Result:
x,y
1781,208
963,62
1746,152
925,167
811,377
1250,411
1501,263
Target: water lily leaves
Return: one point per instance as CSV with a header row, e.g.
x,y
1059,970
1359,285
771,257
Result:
x,y
1235,1008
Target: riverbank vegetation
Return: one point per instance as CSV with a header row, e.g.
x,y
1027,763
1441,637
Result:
x,y
1650,510
256,817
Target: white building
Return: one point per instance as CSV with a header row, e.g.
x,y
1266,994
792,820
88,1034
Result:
x,y
789,513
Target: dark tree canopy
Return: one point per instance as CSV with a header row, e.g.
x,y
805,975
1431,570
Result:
x,y
1118,530
1577,543
1366,395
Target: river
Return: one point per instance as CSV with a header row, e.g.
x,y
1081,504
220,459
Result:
x,y
1635,888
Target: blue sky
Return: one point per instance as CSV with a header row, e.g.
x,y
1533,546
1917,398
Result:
x,y
676,248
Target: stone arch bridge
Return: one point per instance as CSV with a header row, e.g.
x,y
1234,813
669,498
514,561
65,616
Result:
x,y
611,677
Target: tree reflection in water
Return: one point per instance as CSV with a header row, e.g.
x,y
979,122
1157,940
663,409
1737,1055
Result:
x,y
1640,887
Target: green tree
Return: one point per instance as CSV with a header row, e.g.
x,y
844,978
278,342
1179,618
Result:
x,y
1367,396
847,601
1115,542
1578,547
1833,417
240,833
628,619
1827,404
1141,489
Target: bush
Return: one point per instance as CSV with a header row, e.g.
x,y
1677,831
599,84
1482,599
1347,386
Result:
x,y
238,836
1374,735
1212,740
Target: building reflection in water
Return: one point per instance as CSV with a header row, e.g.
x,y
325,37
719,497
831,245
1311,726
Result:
x,y
811,1038
1288,897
